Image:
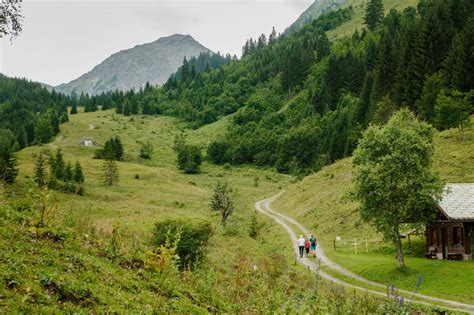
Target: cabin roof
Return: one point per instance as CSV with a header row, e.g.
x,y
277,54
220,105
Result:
x,y
457,201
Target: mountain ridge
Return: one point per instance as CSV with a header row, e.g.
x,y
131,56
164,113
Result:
x,y
317,8
132,68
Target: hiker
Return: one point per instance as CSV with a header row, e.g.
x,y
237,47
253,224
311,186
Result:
x,y
301,242
312,240
306,247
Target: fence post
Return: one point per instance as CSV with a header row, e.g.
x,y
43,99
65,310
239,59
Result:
x,y
366,246
355,245
334,244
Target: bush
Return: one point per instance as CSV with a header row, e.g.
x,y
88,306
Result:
x,y
146,151
189,158
192,243
216,152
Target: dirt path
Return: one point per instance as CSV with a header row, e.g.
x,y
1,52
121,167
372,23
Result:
x,y
264,207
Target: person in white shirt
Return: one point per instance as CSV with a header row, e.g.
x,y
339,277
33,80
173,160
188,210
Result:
x,y
301,242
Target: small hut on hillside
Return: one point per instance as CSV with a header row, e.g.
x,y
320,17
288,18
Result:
x,y
451,235
87,143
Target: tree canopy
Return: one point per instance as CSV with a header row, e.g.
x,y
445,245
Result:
x,y
394,182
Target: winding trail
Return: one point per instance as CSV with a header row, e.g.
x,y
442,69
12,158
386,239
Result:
x,y
264,207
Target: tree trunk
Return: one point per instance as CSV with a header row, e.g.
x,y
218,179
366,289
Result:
x,y
399,245
461,132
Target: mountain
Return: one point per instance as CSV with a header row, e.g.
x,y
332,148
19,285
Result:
x,y
132,68
315,10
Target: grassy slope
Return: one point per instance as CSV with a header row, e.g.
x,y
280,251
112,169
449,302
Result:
x,y
319,203
160,192
357,21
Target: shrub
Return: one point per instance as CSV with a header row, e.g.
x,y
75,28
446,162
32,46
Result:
x,y
216,152
146,151
254,228
189,158
192,240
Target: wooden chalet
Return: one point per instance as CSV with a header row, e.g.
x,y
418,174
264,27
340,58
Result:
x,y
451,235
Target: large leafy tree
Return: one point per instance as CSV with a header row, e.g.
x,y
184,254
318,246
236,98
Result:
x,y
393,177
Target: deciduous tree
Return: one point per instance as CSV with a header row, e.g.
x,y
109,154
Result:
x,y
394,182
223,200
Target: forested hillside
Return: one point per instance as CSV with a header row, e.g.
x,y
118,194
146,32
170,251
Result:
x,y
30,112
302,101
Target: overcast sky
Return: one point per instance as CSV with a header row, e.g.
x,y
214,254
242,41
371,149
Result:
x,y
63,39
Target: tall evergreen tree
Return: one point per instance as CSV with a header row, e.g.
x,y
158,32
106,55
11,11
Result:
x,y
134,107
425,106
68,172
272,38
374,13
127,110
8,161
78,175
58,164
40,176
458,65
110,172
73,109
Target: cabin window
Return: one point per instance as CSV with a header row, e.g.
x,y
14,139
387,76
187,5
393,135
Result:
x,y
457,235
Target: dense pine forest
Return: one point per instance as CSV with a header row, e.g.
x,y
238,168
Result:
x,y
301,101
30,112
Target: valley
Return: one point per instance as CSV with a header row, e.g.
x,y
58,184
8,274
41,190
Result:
x,y
172,179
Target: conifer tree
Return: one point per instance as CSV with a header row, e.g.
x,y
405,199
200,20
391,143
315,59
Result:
x,y
185,70
119,108
458,65
272,38
146,108
8,161
68,172
134,107
110,172
73,109
40,176
59,165
374,14
118,148
425,106
127,111
78,175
